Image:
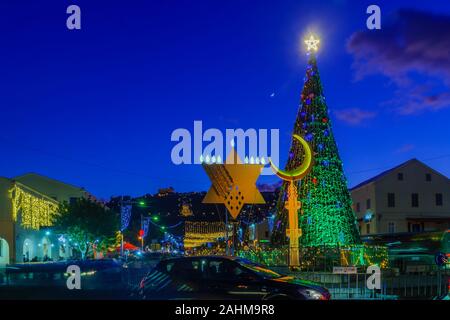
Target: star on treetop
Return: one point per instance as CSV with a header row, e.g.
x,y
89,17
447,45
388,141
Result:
x,y
312,43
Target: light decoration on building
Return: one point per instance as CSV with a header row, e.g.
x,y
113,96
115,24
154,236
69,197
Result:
x,y
34,209
199,233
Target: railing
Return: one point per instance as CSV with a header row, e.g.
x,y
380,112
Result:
x,y
405,286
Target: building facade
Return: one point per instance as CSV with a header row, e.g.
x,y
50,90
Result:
x,y
27,206
411,197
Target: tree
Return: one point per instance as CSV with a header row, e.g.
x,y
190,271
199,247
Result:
x,y
326,216
88,225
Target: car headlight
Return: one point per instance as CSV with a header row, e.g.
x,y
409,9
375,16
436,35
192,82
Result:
x,y
312,294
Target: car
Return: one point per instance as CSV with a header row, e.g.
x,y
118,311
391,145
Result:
x,y
224,278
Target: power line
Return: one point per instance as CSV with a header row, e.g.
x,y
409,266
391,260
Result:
x,y
132,173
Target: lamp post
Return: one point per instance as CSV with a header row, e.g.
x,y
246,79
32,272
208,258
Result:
x,y
121,243
141,237
292,204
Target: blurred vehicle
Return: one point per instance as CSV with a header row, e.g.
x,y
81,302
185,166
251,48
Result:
x,y
413,252
214,277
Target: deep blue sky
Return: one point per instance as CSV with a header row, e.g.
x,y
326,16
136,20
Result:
x,y
96,107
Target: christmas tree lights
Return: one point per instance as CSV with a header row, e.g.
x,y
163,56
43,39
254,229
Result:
x,y
328,218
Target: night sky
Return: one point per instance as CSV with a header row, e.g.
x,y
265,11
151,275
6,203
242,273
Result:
x,y
96,107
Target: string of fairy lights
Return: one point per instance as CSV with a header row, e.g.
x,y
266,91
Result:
x,y
326,216
35,210
199,233
312,257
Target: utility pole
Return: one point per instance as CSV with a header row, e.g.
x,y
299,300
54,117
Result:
x,y
142,235
121,231
226,233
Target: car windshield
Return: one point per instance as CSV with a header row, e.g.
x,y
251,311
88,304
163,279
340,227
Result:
x,y
259,269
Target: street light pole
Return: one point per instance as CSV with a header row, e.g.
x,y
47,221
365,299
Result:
x,y
121,231
226,232
121,243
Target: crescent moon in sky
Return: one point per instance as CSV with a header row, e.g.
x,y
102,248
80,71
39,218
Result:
x,y
302,170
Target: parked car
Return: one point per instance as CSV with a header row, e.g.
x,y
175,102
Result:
x,y
215,277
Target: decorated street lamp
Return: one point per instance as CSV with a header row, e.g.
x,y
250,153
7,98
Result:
x,y
292,204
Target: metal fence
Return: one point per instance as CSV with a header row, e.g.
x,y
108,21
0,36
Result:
x,y
405,286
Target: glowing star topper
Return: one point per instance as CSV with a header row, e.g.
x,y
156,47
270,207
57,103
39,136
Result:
x,y
312,43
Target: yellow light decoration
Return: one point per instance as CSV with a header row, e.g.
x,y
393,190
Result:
x,y
199,233
312,43
186,211
36,210
292,204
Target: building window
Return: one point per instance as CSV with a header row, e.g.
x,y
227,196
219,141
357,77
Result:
x,y
428,177
415,200
391,227
358,207
400,176
368,204
439,199
391,200
73,200
416,227
367,228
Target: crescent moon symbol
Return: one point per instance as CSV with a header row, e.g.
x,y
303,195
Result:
x,y
302,170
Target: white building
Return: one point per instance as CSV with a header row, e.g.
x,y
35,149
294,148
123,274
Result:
x,y
411,197
26,203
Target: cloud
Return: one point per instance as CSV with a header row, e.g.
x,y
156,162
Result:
x,y
354,116
415,103
413,43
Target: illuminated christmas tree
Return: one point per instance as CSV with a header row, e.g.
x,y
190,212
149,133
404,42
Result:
x,y
326,216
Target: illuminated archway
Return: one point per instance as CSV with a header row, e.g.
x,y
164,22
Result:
x,y
46,248
28,250
4,251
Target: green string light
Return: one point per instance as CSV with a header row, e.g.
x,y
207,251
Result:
x,y
327,217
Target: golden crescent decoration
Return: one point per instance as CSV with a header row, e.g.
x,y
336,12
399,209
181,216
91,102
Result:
x,y
299,172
